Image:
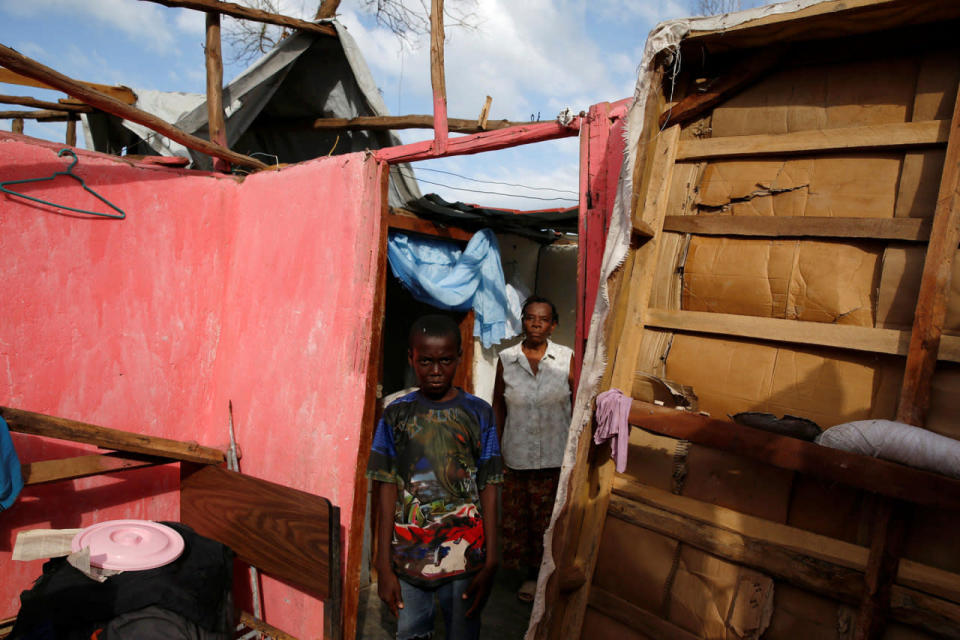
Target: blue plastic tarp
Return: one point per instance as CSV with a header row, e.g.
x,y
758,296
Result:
x,y
438,273
11,481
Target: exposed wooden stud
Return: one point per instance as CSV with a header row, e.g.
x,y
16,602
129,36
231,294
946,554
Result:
x,y
71,134
246,13
906,229
21,64
38,424
427,227
121,93
735,80
216,119
826,334
437,77
862,472
17,125
327,9
900,135
82,466
391,123
40,115
791,565
484,114
633,617
43,104
943,584
480,142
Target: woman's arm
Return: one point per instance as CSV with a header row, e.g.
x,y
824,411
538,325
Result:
x,y
388,585
499,404
571,383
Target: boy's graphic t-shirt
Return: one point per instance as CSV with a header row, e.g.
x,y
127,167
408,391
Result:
x,y
440,455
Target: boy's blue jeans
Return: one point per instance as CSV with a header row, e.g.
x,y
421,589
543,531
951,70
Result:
x,y
416,617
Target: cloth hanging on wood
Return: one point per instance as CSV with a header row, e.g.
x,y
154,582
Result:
x,y
11,480
438,273
613,424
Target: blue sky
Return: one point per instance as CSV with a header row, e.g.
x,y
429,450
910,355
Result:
x,y
531,56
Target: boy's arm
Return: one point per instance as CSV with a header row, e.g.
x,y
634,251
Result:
x,y
388,586
499,404
482,583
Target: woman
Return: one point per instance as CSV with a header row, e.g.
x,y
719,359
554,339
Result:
x,y
532,403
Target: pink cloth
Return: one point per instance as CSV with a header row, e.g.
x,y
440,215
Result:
x,y
613,413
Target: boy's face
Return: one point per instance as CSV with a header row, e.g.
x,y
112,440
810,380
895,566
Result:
x,y
434,360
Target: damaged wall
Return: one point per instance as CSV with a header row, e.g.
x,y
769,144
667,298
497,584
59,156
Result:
x,y
212,289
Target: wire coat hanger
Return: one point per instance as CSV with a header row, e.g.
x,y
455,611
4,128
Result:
x,y
69,173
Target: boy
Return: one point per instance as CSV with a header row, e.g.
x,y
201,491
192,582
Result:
x,y
435,460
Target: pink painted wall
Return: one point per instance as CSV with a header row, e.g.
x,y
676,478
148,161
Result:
x,y
212,289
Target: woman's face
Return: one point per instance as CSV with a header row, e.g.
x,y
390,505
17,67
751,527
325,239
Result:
x,y
538,322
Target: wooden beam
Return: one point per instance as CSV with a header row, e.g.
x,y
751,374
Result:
x,y
22,64
791,565
43,104
246,13
906,229
484,114
391,123
17,125
900,135
427,227
862,472
734,80
633,617
480,142
71,133
937,582
38,424
40,115
120,93
82,466
216,119
825,334
327,9
437,78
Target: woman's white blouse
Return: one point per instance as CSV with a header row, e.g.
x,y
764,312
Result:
x,y
538,407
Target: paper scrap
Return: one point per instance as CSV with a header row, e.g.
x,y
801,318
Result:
x,y
40,544
80,560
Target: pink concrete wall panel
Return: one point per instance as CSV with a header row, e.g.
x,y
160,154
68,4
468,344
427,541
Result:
x,y
211,289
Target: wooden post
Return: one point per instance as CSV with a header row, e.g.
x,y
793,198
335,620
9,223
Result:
x,y
328,9
437,79
216,121
890,523
21,64
71,138
17,125
484,114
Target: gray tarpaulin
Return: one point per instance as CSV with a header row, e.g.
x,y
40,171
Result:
x,y
306,76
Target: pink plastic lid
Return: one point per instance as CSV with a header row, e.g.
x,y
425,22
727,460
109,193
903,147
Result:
x,y
129,545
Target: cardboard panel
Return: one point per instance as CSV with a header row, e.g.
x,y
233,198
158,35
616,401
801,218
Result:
x,y
900,274
597,626
945,401
802,280
845,186
827,386
801,614
634,563
829,509
650,459
821,97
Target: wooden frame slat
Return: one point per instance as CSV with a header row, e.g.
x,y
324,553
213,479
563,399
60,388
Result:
x,y
246,13
121,93
900,135
903,229
82,466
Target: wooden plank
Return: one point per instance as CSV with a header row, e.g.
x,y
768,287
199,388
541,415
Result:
x,y
285,532
480,142
121,93
900,135
267,630
216,119
646,622
246,13
71,132
40,115
937,582
905,229
83,466
13,60
38,424
732,82
437,79
427,227
43,104
484,114
391,123
862,472
825,334
793,566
